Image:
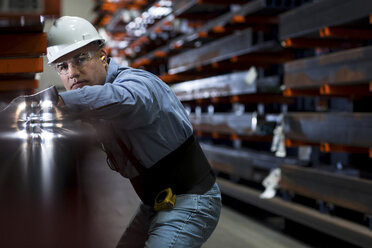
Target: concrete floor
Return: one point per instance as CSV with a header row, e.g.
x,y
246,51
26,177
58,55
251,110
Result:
x,y
112,201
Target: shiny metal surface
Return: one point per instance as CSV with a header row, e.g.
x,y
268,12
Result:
x,y
41,151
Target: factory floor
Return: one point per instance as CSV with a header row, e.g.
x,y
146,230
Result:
x,y
113,201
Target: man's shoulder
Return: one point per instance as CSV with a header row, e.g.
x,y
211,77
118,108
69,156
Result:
x,y
134,73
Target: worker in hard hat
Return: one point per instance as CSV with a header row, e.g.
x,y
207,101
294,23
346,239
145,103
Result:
x,y
146,134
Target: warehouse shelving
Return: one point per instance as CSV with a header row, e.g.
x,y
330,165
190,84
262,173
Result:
x,y
333,73
289,64
159,33
238,87
344,191
12,44
229,50
332,225
259,15
155,36
107,9
332,45
196,9
327,24
23,43
244,163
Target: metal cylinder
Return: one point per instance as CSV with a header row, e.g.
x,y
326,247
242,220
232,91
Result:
x,y
41,149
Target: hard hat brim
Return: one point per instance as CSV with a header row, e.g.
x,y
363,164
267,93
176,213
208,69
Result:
x,y
59,51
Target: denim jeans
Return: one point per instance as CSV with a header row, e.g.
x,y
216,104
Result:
x,y
189,224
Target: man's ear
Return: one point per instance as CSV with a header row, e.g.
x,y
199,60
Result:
x,y
103,55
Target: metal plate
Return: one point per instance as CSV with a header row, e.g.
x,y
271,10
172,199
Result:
x,y
237,83
218,50
344,191
352,67
349,129
312,17
229,123
242,162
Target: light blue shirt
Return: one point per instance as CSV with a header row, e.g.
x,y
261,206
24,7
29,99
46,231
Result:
x,y
143,110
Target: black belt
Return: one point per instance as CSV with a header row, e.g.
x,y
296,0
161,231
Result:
x,y
186,170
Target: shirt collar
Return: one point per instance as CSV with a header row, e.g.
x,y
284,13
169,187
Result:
x,y
112,71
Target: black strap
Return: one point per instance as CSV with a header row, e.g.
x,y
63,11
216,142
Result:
x,y
139,167
185,170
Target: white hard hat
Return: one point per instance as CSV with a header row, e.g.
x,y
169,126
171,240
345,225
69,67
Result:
x,y
69,33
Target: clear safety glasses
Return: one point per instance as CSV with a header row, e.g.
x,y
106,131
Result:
x,y
77,61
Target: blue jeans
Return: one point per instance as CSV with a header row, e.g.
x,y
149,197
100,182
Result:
x,y
189,224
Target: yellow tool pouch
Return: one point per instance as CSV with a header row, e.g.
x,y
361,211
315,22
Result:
x,y
165,200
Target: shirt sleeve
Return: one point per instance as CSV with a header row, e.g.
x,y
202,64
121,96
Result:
x,y
128,99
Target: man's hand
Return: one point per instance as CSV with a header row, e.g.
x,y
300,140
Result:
x,y
49,94
60,103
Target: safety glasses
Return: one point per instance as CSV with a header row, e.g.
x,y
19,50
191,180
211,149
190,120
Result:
x,y
77,61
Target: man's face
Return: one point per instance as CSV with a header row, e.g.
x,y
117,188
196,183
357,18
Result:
x,y
85,66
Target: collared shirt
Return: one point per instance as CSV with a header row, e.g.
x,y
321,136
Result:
x,y
144,112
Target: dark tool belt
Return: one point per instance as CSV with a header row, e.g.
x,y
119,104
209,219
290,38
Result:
x,y
186,170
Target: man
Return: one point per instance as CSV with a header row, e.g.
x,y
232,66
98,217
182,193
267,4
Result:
x,y
146,135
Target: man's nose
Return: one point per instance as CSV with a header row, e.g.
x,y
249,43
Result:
x,y
72,70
